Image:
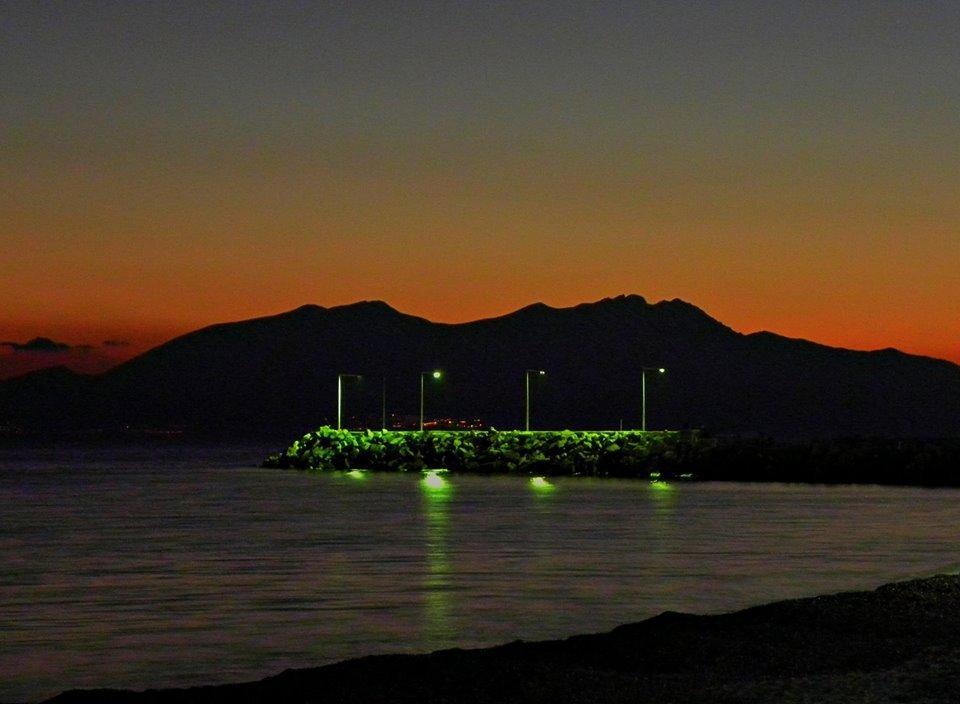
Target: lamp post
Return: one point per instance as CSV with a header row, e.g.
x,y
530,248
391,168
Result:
x,y
383,404
643,392
436,374
526,407
340,378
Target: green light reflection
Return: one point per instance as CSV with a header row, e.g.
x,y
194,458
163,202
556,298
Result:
x,y
437,493
664,531
663,496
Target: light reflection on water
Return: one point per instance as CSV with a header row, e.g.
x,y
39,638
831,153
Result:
x,y
181,567
438,628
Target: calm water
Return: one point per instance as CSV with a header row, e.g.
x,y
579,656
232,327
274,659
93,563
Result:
x,y
140,568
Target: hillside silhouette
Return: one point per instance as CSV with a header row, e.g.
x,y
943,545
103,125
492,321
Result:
x,y
277,374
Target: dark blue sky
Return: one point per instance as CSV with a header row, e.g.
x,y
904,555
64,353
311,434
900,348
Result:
x,y
789,166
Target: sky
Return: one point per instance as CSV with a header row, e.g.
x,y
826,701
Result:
x,y
785,166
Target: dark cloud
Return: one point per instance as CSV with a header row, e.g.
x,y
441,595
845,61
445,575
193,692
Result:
x,y
38,344
46,345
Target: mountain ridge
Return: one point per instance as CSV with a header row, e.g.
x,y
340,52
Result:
x,y
278,371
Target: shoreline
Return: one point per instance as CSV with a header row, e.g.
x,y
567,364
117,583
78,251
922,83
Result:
x,y
897,643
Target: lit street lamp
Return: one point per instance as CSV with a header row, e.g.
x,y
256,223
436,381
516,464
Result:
x,y
643,386
526,378
383,404
340,378
436,374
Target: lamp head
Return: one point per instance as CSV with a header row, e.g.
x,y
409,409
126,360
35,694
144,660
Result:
x,y
437,374
662,370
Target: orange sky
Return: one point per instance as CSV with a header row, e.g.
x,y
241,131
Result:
x,y
162,171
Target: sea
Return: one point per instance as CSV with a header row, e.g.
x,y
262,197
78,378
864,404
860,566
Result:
x,y
171,565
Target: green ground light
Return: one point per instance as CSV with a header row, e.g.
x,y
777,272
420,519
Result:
x,y
433,480
541,485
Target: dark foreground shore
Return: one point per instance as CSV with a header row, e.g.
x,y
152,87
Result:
x,y
899,643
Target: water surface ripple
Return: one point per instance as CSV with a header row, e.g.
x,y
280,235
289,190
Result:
x,y
140,568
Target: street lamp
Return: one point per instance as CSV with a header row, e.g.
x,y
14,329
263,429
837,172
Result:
x,y
436,374
643,392
340,378
383,404
526,378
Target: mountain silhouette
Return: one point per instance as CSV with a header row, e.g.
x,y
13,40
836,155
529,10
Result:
x,y
277,374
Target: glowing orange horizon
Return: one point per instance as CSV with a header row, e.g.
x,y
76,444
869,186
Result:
x,y
464,162
864,334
